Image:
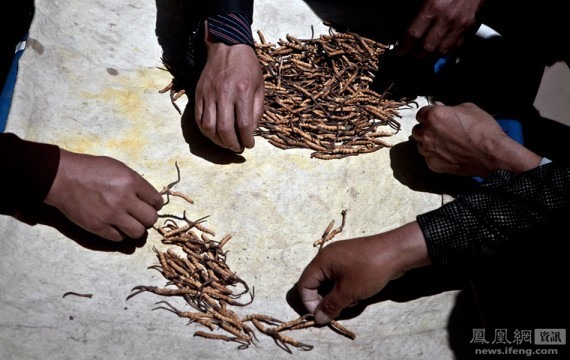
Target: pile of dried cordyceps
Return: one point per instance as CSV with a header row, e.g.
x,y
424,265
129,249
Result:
x,y
200,275
318,95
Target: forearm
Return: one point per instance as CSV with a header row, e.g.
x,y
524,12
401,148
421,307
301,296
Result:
x,y
483,224
410,246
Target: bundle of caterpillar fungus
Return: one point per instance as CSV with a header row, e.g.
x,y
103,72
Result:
x,y
318,95
194,263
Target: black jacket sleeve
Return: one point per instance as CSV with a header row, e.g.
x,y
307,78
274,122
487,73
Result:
x,y
490,220
27,171
216,7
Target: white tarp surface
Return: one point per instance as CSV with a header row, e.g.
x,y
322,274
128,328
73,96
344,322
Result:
x,y
89,82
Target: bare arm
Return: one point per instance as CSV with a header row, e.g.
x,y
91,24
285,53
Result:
x,y
360,268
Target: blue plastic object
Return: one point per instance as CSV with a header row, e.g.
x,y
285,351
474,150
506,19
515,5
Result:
x,y
8,89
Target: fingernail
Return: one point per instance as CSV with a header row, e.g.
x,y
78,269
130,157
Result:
x,y
321,317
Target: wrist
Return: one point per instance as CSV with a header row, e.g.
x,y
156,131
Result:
x,y
409,247
57,192
514,157
413,247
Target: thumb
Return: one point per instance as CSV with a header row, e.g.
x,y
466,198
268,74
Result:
x,y
331,306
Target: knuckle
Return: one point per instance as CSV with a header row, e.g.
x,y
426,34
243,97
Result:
x,y
243,124
130,179
208,127
464,22
328,307
109,213
98,228
157,203
150,219
429,46
413,34
243,84
222,86
137,232
225,127
436,113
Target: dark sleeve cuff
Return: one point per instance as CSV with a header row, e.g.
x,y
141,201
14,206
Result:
x,y
216,7
28,171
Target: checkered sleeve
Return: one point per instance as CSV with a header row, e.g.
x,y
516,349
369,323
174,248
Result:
x,y
480,224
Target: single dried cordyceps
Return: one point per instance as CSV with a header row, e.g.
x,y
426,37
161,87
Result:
x,y
318,95
196,270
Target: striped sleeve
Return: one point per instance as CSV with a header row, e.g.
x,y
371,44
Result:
x,y
231,29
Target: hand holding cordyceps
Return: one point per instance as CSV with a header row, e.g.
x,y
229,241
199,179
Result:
x,y
465,140
439,26
359,268
229,96
104,196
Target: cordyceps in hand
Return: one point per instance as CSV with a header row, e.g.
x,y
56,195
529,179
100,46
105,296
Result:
x,y
318,95
195,267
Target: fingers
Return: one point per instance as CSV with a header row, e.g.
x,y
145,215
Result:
x,y
434,37
244,121
225,126
206,119
439,27
449,41
258,106
110,233
332,304
418,132
414,34
323,308
149,195
426,113
308,285
248,120
144,213
130,226
198,109
218,122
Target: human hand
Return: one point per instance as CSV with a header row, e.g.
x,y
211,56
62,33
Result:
x,y
465,140
229,95
360,268
104,196
439,26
